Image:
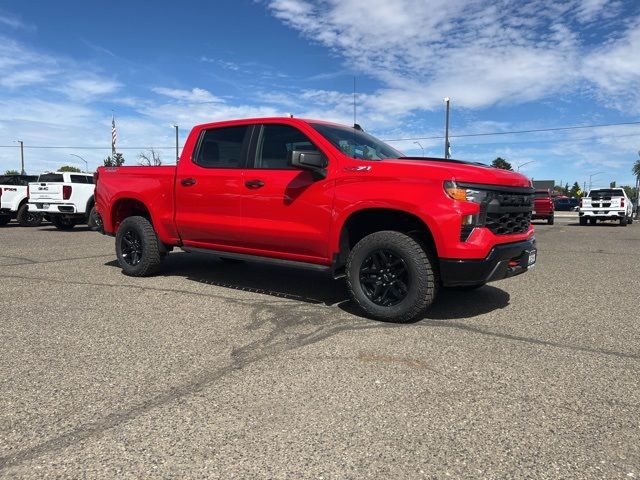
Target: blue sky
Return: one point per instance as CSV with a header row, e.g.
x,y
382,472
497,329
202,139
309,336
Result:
x,y
66,66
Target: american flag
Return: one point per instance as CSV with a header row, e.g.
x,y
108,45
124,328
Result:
x,y
114,135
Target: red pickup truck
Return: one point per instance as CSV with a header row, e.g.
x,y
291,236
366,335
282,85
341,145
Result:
x,y
543,206
320,195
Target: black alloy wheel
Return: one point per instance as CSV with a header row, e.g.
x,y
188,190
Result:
x,y
384,278
131,247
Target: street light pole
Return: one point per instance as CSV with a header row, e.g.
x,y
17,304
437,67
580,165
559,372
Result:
x,y
86,165
447,100
420,145
22,171
523,164
591,176
177,154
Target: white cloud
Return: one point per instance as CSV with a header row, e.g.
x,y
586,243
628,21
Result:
x,y
195,95
476,51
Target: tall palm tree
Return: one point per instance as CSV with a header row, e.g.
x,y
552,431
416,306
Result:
x,y
636,168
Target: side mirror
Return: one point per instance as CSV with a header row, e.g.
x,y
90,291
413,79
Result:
x,y
316,162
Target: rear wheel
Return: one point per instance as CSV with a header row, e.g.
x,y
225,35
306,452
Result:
x,y
28,219
62,223
95,220
391,277
4,219
623,221
630,220
137,247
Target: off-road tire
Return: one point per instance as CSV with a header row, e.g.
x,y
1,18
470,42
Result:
x,y
421,282
26,218
140,230
4,219
623,221
62,223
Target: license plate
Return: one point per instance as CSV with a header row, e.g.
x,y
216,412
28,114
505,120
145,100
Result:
x,y
532,258
533,213
45,206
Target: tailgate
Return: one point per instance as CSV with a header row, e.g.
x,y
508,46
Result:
x,y
39,192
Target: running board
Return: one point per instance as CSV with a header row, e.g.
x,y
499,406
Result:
x,y
259,259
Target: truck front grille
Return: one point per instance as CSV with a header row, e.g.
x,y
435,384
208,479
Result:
x,y
509,211
508,223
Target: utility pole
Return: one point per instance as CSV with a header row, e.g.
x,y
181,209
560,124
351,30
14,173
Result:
x,y
638,193
22,171
177,154
446,130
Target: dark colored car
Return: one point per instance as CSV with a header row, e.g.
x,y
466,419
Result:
x,y
564,204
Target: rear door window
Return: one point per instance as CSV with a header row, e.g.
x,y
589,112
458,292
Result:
x,y
78,179
223,147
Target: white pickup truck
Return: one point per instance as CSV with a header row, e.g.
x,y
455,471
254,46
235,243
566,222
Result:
x,y
606,204
64,198
14,193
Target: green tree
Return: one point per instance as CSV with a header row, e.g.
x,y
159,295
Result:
x,y
575,191
12,172
69,168
501,163
631,191
116,161
636,169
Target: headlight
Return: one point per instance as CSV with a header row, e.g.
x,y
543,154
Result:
x,y
464,194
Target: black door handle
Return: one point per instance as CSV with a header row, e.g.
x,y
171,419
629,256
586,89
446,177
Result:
x,y
254,183
187,182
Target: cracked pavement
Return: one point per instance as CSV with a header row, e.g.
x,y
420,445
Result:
x,y
226,370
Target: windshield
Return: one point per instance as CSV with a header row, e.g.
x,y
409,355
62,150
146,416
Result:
x,y
606,193
356,143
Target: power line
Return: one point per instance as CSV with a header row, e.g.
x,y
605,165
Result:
x,y
536,130
86,148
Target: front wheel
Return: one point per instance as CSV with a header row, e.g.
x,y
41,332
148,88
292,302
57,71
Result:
x,y
28,219
391,277
592,221
583,221
137,247
62,223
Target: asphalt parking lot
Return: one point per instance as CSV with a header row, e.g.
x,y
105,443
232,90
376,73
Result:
x,y
248,371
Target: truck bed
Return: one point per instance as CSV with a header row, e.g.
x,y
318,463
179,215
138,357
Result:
x,y
152,186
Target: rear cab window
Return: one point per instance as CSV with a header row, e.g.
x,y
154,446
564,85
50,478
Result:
x,y
51,178
606,193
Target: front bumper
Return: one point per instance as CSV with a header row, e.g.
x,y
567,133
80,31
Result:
x,y
503,261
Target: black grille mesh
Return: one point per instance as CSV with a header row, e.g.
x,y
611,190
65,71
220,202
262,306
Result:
x,y
508,222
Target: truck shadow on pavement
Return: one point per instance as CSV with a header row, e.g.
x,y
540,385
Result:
x,y
314,287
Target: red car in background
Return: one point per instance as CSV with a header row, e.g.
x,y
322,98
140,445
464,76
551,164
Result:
x,y
543,206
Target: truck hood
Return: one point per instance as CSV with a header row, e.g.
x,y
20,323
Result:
x,y
462,172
